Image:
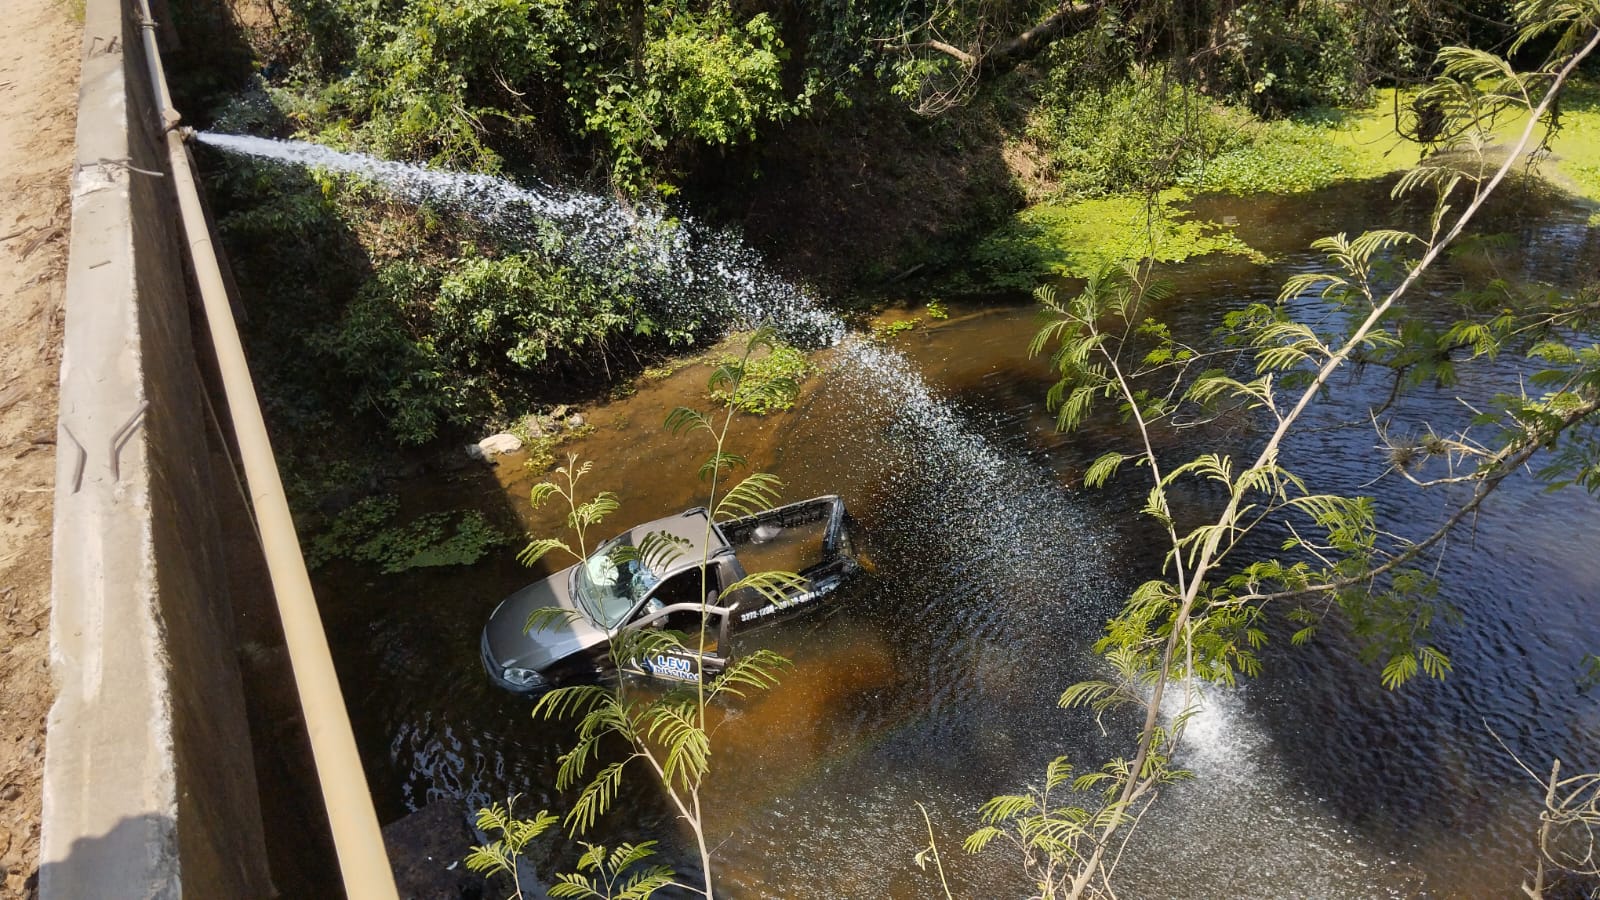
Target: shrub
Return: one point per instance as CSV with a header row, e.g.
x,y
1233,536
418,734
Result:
x,y
458,341
1139,134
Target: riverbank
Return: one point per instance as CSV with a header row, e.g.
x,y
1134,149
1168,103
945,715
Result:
x,y
1073,236
38,96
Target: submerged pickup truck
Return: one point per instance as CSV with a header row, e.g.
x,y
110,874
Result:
x,y
618,587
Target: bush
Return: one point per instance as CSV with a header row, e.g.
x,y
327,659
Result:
x,y
1139,134
462,340
781,364
1286,57
464,83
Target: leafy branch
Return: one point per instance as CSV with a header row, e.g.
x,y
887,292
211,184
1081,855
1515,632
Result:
x,y
1190,624
668,733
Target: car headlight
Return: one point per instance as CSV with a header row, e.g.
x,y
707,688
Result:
x,y
522,678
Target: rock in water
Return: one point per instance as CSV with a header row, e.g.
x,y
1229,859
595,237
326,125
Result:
x,y
425,852
494,445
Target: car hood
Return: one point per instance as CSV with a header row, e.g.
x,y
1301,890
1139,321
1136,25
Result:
x,y
509,646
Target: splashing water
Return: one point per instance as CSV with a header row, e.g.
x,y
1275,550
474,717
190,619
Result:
x,y
677,264
681,261
942,467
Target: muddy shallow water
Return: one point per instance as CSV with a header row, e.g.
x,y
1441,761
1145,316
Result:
x,y
933,679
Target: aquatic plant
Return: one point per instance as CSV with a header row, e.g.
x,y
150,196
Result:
x,y
367,531
770,379
1077,238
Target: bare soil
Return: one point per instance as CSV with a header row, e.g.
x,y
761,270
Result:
x,y
39,62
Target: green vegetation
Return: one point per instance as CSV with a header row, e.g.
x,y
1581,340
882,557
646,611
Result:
x,y
1076,238
445,327
1113,166
428,327
1120,163
1203,618
1308,151
541,450
1575,146
770,379
467,84
368,532
883,332
1136,136
601,874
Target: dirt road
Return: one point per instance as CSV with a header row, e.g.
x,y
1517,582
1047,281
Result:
x,y
39,64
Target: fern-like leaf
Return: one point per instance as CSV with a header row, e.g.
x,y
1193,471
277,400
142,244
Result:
x,y
775,587
756,493
720,462
540,548
685,420
596,798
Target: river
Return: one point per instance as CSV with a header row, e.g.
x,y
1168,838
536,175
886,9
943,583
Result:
x,y
933,678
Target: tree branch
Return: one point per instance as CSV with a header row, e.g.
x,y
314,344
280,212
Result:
x,y
1028,44
1208,558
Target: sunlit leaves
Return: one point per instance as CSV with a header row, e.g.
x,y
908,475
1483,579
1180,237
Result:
x,y
581,514
1051,835
538,548
545,618
1104,468
1085,348
753,671
683,419
605,874
499,855
775,587
721,463
757,492
657,550
595,798
687,744
593,511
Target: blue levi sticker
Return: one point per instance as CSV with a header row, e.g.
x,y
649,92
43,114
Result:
x,y
671,667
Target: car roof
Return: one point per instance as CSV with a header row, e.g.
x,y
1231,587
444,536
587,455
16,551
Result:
x,y
688,528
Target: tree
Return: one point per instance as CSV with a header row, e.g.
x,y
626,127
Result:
x,y
464,84
1202,619
1273,56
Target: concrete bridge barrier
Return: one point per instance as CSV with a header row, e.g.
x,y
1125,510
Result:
x,y
149,785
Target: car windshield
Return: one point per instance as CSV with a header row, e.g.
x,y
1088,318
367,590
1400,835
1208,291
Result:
x,y
612,581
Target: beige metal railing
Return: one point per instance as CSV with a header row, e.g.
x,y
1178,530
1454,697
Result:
x,y
363,862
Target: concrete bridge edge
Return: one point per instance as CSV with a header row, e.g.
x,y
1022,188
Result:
x,y
149,784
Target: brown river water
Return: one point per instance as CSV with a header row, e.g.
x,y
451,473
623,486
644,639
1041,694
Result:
x,y
933,678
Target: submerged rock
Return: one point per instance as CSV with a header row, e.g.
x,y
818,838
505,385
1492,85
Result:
x,y
426,849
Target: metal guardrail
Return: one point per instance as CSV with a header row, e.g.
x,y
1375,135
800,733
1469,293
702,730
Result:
x,y
363,861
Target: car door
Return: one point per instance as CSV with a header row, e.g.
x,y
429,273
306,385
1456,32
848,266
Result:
x,y
675,604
